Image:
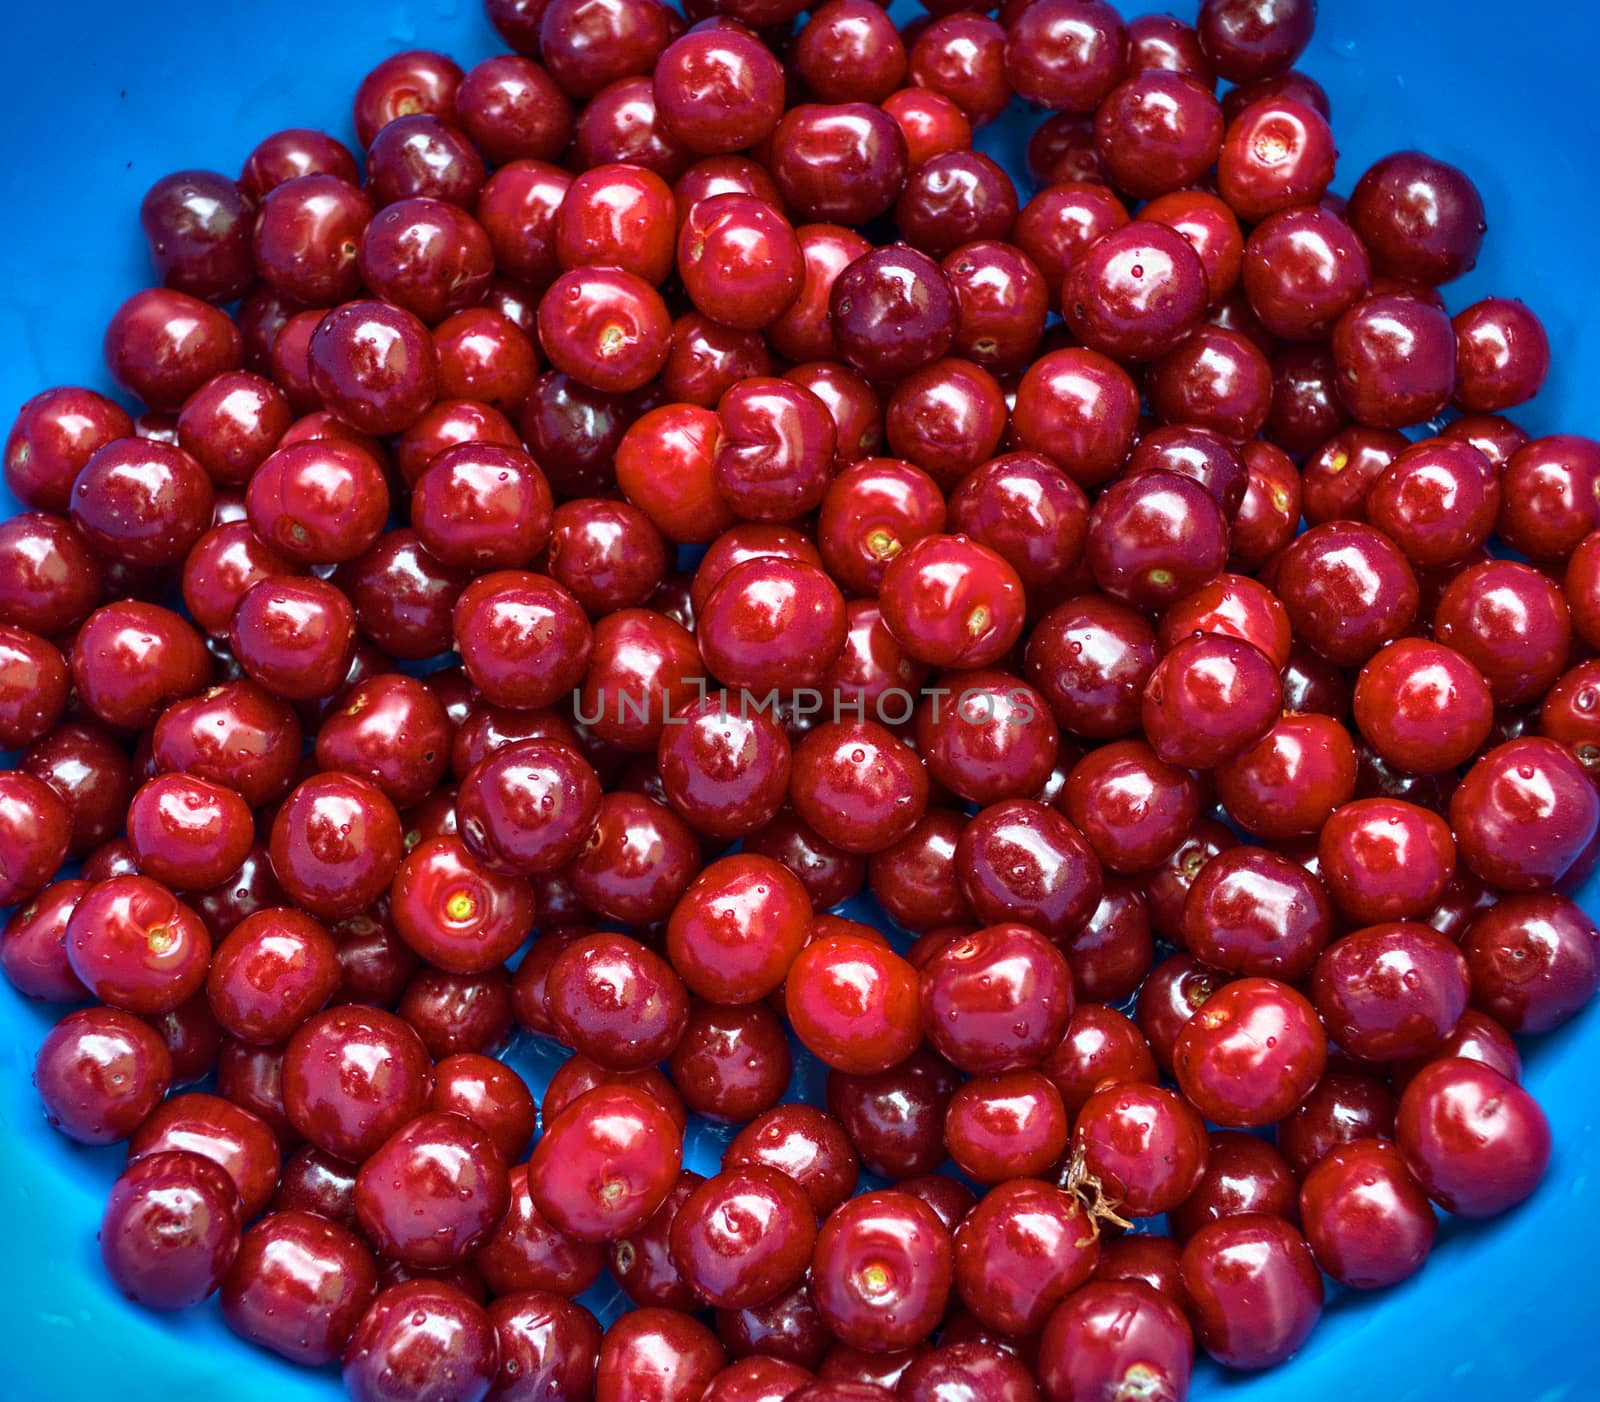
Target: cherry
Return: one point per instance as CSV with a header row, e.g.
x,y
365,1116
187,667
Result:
x,y
162,345
914,880
724,766
1348,590
1396,360
1509,621
511,109
846,50
788,1327
883,1270
955,198
758,1378
807,1145
1018,860
1344,1106
1090,657
136,946
100,1072
854,1004
188,832
1423,706
1477,1143
1145,1145
1502,355
1208,699
504,619
140,502
707,359
525,1252
432,1192
777,446
605,1163
1269,514
392,731
1245,41
1169,45
90,774
1080,409
1278,153
1028,511
1135,292
744,1236
607,554
1112,1335
616,1001
895,1118
639,858
486,357
722,175
1254,1290
1213,229
980,989
52,438
417,80
961,57
719,90
547,1345
528,807
415,1333
1243,1174
1253,912
653,1353
740,260
857,785
605,327
1549,489
295,637
1155,537
1066,56
1157,132
952,602
283,951
1524,814
993,739
947,418
738,928
170,1230
1303,269
299,1287
1251,1053
1005,1126
1532,960
33,949
374,366
455,1013
317,1183
1025,1247
1420,218
193,1039
1366,1220
1100,1046
335,844
1391,990
871,512
642,1262
352,1076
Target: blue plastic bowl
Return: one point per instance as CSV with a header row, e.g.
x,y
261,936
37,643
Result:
x,y
111,96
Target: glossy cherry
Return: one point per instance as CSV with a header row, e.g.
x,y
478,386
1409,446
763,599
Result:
x,y
170,1230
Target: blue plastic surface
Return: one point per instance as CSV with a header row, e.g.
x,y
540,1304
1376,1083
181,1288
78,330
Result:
x,y
109,96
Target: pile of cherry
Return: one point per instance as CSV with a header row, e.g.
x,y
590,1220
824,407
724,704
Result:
x,y
1001,616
